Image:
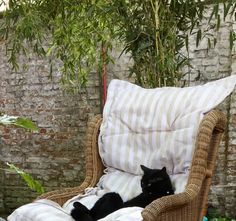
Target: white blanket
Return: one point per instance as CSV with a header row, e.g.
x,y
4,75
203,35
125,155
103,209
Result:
x,y
46,210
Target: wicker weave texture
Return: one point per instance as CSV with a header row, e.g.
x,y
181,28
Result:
x,y
187,206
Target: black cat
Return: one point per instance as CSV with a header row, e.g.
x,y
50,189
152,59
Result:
x,y
107,204
155,183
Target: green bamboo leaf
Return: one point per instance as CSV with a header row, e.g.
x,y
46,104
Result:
x,y
209,43
199,37
26,123
232,12
33,184
235,13
227,7
232,39
218,23
187,43
18,121
215,41
214,12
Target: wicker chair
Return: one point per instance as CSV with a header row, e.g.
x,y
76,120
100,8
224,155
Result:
x,y
190,205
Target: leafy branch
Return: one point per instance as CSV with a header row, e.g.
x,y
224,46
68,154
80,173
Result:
x,y
153,32
31,182
26,124
19,122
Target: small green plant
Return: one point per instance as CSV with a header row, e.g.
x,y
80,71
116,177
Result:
x,y
31,182
18,121
29,125
213,215
221,219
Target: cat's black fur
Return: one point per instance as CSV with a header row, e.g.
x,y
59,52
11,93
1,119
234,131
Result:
x,y
155,183
81,212
107,204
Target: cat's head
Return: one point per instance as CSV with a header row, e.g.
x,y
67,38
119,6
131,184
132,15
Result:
x,y
156,182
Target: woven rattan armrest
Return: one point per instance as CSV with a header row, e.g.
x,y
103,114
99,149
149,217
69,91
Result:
x,y
94,166
192,202
161,207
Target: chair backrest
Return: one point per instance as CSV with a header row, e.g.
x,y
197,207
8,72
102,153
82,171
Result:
x,y
154,127
171,127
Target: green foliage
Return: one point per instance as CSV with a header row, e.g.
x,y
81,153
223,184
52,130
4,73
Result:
x,y
71,31
220,218
153,42
213,215
18,121
156,32
33,184
26,124
153,31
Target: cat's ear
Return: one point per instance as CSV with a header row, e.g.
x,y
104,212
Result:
x,y
145,169
163,169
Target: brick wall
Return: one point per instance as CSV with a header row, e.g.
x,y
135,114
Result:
x,y
55,155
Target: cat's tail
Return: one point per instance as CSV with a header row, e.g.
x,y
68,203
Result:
x,y
81,213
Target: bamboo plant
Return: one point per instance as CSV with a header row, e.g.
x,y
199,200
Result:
x,y
154,32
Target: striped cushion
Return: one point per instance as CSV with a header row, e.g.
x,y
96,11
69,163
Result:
x,y
155,127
